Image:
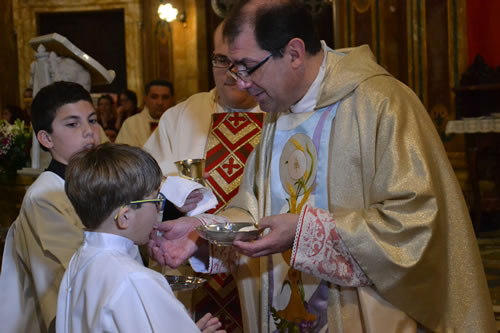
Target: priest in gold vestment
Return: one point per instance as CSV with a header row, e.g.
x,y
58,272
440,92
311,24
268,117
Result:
x,y
367,228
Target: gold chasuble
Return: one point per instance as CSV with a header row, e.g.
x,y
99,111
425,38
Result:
x,y
231,139
389,193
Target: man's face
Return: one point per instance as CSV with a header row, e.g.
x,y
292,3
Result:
x,y
229,93
158,100
271,83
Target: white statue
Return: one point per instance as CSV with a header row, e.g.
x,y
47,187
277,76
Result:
x,y
67,69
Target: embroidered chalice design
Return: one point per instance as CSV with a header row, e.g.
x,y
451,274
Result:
x,y
297,174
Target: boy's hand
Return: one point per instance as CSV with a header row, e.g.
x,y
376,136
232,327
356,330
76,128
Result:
x,y
191,201
173,242
209,324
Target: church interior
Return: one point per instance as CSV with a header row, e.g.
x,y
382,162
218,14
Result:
x,y
447,52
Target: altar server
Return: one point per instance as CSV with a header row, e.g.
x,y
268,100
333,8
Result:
x,y
47,231
114,189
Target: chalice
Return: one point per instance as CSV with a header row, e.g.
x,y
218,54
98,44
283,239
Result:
x,y
192,169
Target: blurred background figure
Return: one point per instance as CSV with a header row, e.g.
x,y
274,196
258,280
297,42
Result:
x,y
111,133
127,106
11,113
27,99
106,116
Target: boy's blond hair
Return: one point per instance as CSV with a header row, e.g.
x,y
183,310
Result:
x,y
109,176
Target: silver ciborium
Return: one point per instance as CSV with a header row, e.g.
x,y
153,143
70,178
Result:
x,y
192,169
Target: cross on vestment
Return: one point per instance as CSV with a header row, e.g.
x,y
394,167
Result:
x,y
232,138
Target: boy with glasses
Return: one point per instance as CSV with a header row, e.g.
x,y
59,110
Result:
x,y
114,189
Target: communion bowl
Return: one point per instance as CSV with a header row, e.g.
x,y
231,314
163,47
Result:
x,y
179,282
226,234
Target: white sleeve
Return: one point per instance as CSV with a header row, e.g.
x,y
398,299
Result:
x,y
145,303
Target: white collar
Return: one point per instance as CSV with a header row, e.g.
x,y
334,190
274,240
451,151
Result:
x,y
145,112
106,240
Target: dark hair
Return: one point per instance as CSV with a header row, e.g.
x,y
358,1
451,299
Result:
x,y
50,98
163,83
275,25
237,19
108,176
108,97
133,96
15,113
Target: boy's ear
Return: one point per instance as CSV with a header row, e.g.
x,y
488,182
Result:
x,y
124,218
45,139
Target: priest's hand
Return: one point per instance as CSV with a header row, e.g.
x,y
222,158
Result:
x,y
173,242
191,201
279,240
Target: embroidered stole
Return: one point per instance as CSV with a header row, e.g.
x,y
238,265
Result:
x,y
232,138
298,301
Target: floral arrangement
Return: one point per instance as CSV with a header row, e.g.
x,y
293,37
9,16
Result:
x,y
15,144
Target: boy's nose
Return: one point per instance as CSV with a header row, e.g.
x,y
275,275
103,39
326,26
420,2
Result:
x,y
87,129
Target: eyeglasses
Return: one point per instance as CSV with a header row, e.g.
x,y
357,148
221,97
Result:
x,y
244,74
159,203
220,61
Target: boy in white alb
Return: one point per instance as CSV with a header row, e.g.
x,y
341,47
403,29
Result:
x,y
114,189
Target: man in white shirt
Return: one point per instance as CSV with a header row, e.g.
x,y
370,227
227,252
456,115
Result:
x,y
159,97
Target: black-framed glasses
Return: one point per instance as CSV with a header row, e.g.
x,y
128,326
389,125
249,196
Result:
x,y
244,74
220,61
159,203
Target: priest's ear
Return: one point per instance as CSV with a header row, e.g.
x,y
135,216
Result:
x,y
296,50
45,139
123,217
